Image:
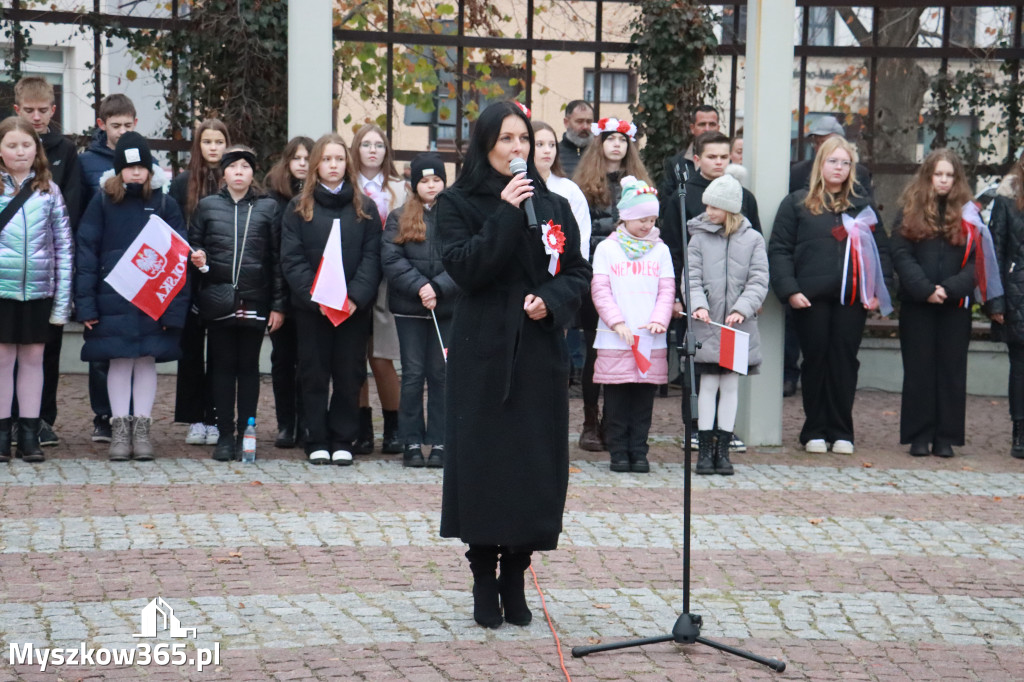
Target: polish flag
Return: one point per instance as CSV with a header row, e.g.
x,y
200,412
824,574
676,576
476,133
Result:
x,y
642,344
734,349
152,270
329,288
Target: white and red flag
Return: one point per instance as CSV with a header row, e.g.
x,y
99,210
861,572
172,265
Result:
x,y
734,349
152,270
642,344
329,287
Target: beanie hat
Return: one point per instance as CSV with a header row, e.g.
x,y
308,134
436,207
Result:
x,y
639,200
428,163
132,150
725,193
237,154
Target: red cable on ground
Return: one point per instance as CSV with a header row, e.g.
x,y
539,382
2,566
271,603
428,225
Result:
x,y
544,606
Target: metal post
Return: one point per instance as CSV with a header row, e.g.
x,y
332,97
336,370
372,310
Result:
x,y
766,124
310,67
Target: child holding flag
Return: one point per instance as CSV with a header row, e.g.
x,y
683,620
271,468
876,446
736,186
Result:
x,y
633,291
420,295
330,258
133,333
728,283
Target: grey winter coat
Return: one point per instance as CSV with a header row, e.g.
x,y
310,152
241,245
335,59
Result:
x,y
37,250
727,274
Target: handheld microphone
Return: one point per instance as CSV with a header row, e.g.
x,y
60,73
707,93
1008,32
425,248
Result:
x,y
517,166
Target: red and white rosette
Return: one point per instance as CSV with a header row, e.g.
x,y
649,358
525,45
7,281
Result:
x,y
554,245
614,125
862,256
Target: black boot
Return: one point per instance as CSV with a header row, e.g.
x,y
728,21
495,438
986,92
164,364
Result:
x,y
590,436
483,562
1017,451
511,587
722,464
390,444
5,440
364,444
706,452
285,436
28,440
620,461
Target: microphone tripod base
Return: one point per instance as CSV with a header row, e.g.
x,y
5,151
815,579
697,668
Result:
x,y
685,631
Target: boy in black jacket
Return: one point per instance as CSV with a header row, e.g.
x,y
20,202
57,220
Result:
x,y
35,102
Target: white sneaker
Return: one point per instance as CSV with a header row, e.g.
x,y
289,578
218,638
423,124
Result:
x,y
341,457
842,447
319,457
817,446
212,435
737,445
196,434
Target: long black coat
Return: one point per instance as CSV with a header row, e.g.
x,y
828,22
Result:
x,y
106,231
923,264
506,464
1007,226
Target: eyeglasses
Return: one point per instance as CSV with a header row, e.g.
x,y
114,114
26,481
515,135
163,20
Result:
x,y
841,163
366,144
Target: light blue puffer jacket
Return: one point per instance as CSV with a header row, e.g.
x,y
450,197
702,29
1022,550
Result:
x,y
37,249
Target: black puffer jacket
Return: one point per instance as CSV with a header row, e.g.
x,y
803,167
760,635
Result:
x,y
934,261
805,256
604,219
409,266
1007,226
218,227
303,243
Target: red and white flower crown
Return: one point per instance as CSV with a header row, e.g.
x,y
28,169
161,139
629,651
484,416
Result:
x,y
614,125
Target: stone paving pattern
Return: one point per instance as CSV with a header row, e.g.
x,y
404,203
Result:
x,y
876,566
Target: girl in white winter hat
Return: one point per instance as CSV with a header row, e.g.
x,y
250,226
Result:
x,y
728,283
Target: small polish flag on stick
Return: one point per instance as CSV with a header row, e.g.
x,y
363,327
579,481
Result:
x,y
642,344
152,270
330,289
733,348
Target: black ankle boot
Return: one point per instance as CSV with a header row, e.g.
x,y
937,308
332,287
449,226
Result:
x,y
390,444
705,453
723,466
364,444
512,589
483,562
28,440
1017,451
5,440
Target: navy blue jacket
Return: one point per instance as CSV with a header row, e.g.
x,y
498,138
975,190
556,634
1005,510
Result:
x,y
94,162
105,233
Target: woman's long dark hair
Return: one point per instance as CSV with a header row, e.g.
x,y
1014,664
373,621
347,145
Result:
x,y
920,201
203,179
280,178
481,142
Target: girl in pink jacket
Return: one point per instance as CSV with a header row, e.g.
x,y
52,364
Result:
x,y
633,290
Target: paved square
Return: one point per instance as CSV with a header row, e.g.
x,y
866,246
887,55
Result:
x,y
876,566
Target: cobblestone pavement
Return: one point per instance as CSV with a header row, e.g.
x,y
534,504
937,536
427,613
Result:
x,y
876,566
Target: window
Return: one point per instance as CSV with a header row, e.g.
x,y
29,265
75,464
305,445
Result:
x,y
961,29
617,86
730,34
821,26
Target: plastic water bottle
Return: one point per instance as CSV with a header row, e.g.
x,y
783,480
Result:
x,y
249,442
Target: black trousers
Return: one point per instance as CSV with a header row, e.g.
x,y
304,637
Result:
x,y
790,349
284,373
588,319
627,417
193,400
1016,391
830,335
933,343
329,354
99,401
234,361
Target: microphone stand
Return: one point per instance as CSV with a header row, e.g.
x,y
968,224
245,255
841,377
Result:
x,y
687,627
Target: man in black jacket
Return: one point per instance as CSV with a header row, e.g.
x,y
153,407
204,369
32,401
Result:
x,y
578,117
34,102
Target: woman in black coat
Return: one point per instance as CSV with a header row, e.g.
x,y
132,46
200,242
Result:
x,y
506,464
328,352
933,257
1007,225
420,295
116,330
815,268
236,233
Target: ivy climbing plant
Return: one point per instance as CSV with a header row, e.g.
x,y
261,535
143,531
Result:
x,y
671,40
